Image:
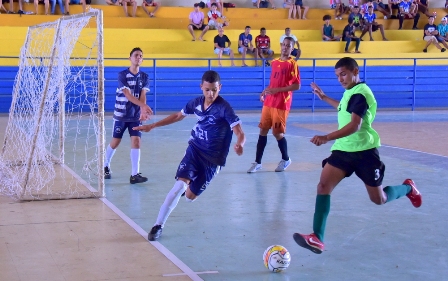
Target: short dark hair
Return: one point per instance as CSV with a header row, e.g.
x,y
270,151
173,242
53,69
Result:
x,y
356,7
370,7
290,39
287,28
134,50
214,4
261,29
350,20
247,27
431,17
348,63
196,5
211,76
326,17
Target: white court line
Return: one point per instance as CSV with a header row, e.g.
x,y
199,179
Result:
x,y
413,150
181,274
182,266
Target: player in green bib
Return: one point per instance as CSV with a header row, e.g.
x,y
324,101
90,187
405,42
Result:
x,y
354,151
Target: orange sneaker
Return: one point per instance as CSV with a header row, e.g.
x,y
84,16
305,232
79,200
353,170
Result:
x,y
414,195
310,242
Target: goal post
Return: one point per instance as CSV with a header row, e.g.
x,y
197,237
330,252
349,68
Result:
x,y
54,142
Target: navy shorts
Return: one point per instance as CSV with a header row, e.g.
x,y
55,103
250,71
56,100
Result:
x,y
299,3
197,169
120,127
366,165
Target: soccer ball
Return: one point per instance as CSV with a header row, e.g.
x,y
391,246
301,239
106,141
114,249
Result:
x,y
276,258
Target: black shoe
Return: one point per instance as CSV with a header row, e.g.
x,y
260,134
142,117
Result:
x,y
415,28
400,28
267,63
107,173
183,194
137,178
443,50
20,12
10,12
155,233
425,50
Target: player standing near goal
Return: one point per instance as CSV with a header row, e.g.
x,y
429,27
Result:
x,y
354,150
277,98
130,110
207,149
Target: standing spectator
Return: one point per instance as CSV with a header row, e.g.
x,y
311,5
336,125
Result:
x,y
393,5
265,4
348,35
36,5
197,23
408,11
299,7
430,34
289,4
263,44
245,46
220,46
371,25
213,16
296,51
442,28
356,16
73,2
132,3
218,5
328,31
423,6
150,3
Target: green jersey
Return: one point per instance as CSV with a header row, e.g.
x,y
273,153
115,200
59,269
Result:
x,y
366,137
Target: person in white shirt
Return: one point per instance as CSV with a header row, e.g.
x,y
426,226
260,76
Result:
x,y
217,2
296,52
213,17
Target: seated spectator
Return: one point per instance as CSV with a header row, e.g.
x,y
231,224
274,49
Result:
x,y
213,17
393,5
221,48
352,4
265,4
126,3
408,11
296,52
74,2
358,19
20,11
53,6
299,7
289,4
442,28
150,3
338,8
348,35
218,5
263,44
245,46
36,5
376,7
430,34
328,31
197,22
2,8
371,25
423,6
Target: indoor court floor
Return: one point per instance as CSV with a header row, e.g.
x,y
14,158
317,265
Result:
x,y
223,234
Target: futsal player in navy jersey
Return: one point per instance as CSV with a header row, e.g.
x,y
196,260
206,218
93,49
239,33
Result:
x,y
207,149
130,110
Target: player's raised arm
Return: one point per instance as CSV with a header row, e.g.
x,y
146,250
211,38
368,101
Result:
x,y
241,139
173,118
322,96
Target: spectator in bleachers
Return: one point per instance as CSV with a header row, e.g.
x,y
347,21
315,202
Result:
x,y
296,51
218,5
213,16
338,8
393,5
245,46
430,34
197,23
353,3
358,19
442,28
423,6
371,25
289,4
348,35
376,7
265,3
263,44
150,3
74,2
2,8
299,7
20,12
53,6
126,3
328,30
36,6
220,46
408,11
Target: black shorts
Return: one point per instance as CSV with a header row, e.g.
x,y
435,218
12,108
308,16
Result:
x,y
195,28
395,6
299,3
366,165
374,27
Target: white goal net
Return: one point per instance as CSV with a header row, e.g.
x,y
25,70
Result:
x,y
54,140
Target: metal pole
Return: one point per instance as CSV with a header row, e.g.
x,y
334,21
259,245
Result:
x,y
365,70
154,70
314,80
413,84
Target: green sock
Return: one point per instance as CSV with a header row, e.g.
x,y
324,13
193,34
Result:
x,y
321,211
397,191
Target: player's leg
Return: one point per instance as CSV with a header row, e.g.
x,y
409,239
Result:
x,y
279,118
333,172
136,176
117,134
264,125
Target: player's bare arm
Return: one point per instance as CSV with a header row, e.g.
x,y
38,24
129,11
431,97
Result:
x,y
241,139
273,91
144,113
352,127
321,95
173,118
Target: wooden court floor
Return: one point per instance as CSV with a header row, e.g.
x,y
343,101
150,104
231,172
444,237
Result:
x,y
223,234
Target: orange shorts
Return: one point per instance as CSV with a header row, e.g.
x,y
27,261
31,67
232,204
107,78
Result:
x,y
273,118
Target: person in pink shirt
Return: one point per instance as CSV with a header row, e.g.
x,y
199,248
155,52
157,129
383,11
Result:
x,y
197,23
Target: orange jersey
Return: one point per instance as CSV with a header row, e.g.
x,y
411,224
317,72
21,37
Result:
x,y
283,74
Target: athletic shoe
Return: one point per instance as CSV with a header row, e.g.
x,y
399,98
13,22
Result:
x,y
20,12
414,195
282,165
155,233
310,242
138,178
254,168
107,173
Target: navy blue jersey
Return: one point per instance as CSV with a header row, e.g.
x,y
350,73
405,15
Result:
x,y
125,110
212,134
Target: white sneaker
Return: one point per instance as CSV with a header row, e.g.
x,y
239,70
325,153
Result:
x,y
385,17
282,165
254,168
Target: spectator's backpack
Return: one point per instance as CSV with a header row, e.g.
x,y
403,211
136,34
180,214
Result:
x,y
228,5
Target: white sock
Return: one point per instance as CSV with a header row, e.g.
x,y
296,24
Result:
x,y
109,154
135,160
171,201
